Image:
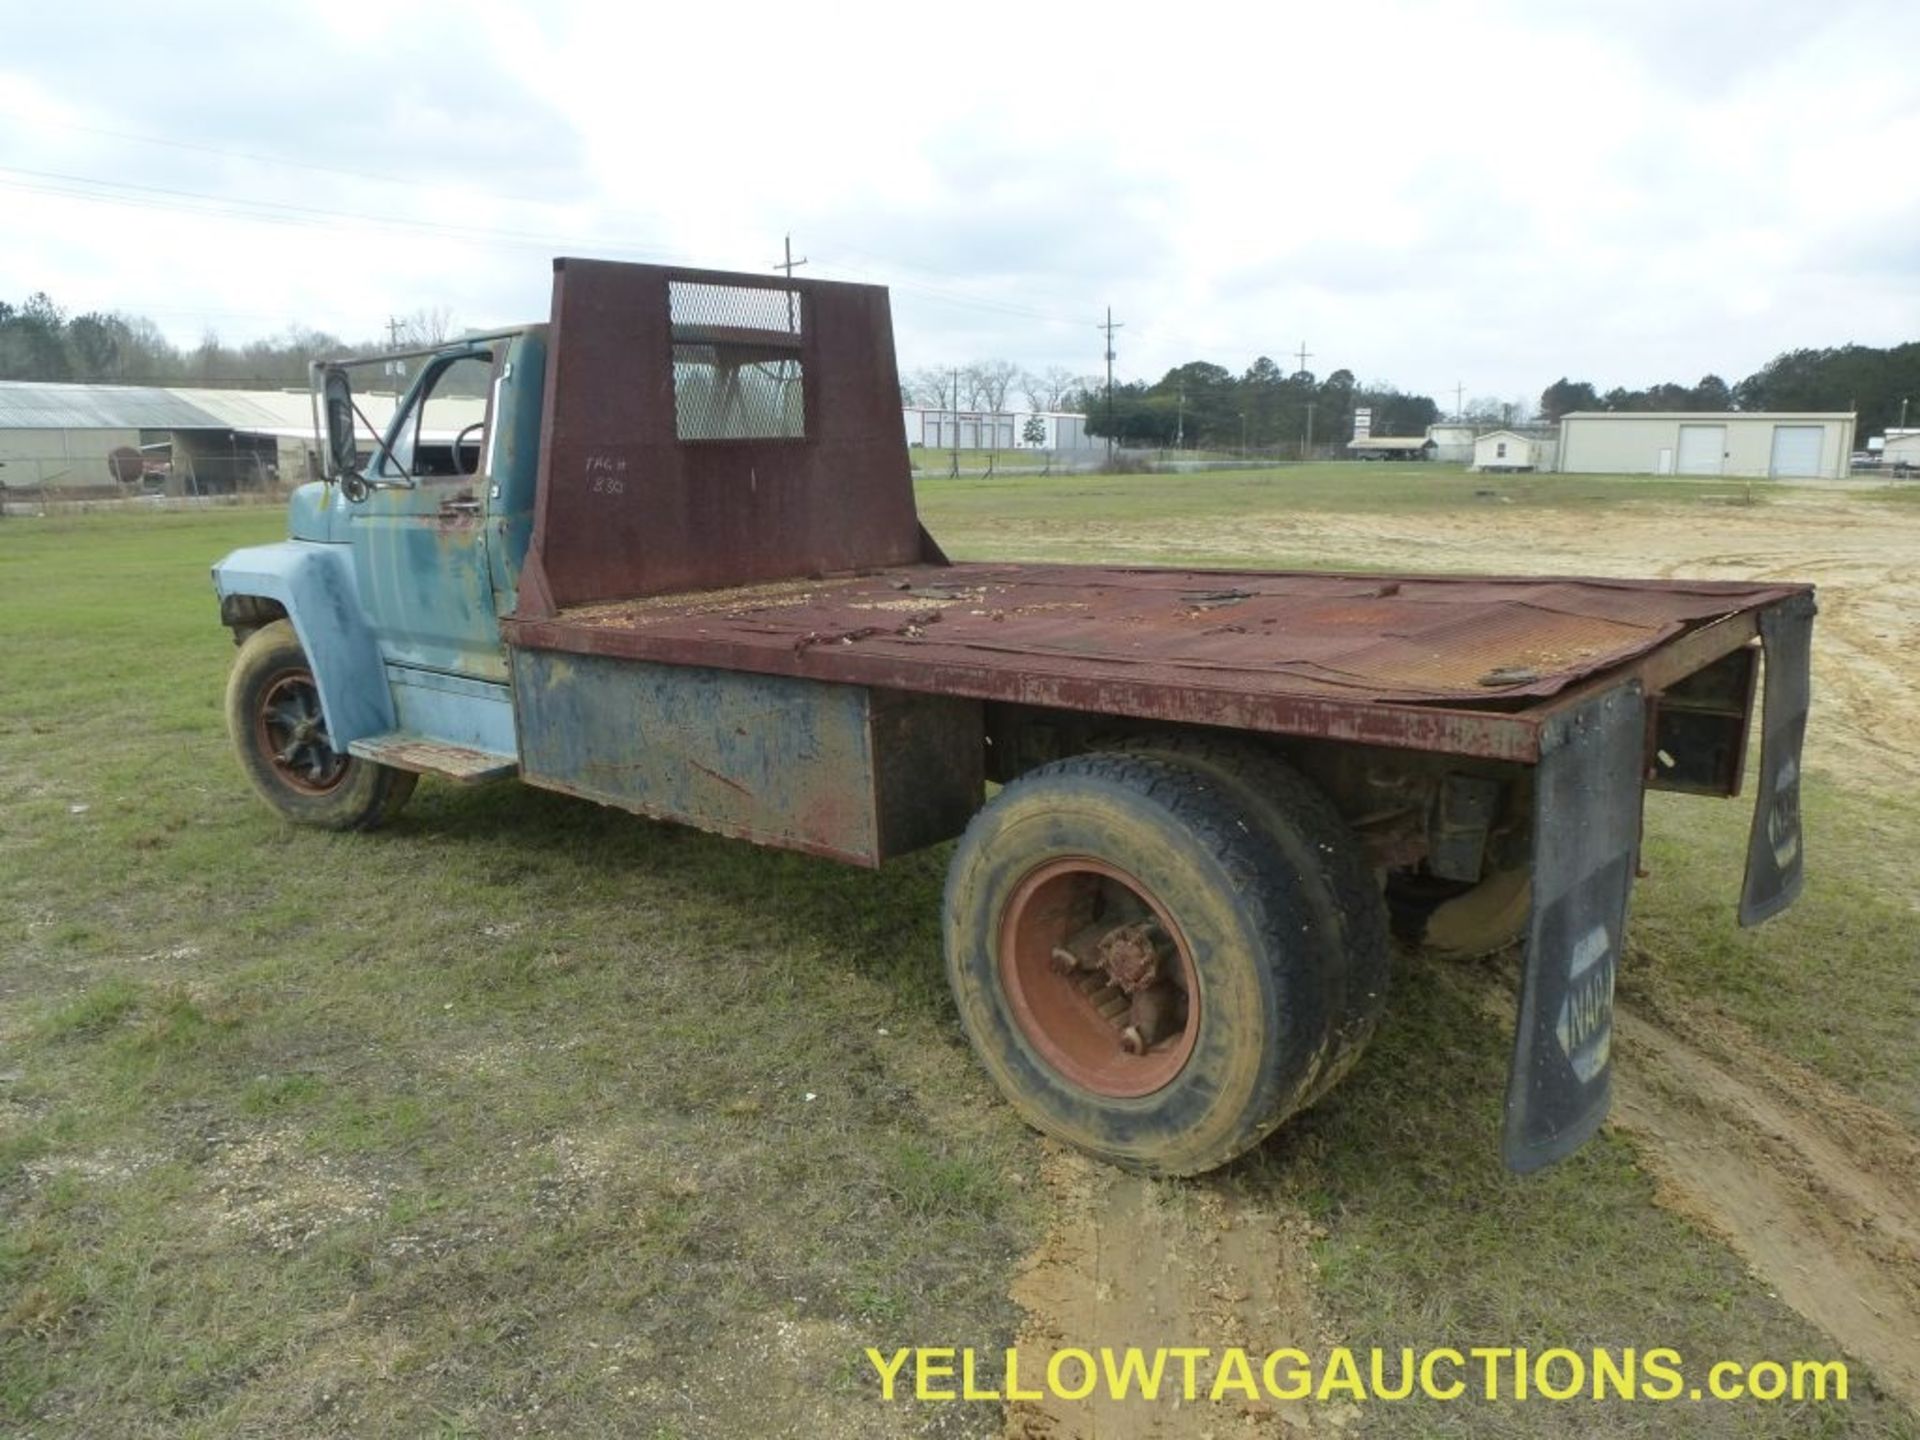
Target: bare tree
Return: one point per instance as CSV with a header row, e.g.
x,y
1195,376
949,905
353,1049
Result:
x,y
986,383
426,327
1050,388
930,385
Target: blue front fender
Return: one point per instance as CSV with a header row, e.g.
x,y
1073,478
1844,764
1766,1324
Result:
x,y
314,584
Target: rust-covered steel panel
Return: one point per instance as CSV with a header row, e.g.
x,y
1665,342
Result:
x,y
835,770
1452,664
706,428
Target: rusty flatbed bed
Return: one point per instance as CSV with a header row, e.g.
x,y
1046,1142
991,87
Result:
x,y
1460,665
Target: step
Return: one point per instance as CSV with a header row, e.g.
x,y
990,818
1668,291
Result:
x,y
434,757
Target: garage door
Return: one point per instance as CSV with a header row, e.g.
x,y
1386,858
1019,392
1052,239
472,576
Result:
x,y
1702,448
1796,449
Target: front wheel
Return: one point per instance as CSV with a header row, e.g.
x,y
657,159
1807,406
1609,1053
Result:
x,y
280,734
1137,966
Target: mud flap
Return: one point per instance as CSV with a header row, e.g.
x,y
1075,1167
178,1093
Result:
x,y
1586,828
1775,869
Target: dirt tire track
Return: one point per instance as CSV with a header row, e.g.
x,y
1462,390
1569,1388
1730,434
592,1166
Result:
x,y
1130,1261
1817,1190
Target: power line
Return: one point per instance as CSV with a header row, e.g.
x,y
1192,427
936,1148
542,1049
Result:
x,y
278,162
159,197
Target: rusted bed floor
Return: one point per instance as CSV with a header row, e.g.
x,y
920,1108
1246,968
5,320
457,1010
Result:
x,y
1214,646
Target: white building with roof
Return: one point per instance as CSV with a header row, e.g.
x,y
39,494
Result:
x,y
1787,445
188,440
1503,450
932,428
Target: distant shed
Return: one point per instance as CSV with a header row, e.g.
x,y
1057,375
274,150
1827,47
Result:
x,y
63,435
1452,441
1391,447
190,441
1499,450
1809,445
1902,448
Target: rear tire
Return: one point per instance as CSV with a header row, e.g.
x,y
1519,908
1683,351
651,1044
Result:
x,y
273,715
1318,845
1099,845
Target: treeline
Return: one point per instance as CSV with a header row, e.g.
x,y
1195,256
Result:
x,y
1875,384
40,341
1204,406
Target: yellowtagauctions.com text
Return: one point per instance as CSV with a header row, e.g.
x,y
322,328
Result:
x,y
1343,1375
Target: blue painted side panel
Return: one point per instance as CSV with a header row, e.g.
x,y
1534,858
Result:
x,y
317,511
315,583
453,710
514,463
840,770
420,548
424,580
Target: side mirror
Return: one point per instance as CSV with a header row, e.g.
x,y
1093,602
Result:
x,y
343,446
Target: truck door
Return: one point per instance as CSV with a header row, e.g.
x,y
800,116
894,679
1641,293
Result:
x,y
420,550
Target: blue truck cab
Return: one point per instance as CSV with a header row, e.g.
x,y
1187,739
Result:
x,y
391,586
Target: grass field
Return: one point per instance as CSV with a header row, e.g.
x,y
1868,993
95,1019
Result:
x,y
527,1117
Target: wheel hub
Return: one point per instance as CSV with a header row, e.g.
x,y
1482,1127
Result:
x,y
291,732
1100,982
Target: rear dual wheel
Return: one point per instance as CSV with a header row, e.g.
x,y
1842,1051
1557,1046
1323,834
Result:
x,y
1143,957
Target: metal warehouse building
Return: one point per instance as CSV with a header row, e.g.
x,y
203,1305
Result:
x,y
1814,445
64,438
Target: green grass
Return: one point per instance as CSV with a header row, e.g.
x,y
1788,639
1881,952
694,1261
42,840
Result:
x,y
1834,982
499,1118
504,1107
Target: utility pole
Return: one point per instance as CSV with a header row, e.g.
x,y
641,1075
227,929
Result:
x,y
1180,427
394,369
954,473
1305,355
1903,412
1110,325
1306,450
1459,401
790,265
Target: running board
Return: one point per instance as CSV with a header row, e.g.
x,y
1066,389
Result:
x,y
434,757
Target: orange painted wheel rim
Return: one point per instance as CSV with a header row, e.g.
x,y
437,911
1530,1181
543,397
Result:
x,y
1076,1019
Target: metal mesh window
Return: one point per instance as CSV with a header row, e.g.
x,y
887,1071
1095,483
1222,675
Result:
x,y
737,372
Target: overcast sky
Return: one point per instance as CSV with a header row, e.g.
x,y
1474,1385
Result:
x,y
1485,194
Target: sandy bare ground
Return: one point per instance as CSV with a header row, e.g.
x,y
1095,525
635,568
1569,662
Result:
x,y
1132,1263
1818,1191
1863,555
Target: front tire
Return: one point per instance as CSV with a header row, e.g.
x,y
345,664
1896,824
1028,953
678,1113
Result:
x,y
1073,864
280,735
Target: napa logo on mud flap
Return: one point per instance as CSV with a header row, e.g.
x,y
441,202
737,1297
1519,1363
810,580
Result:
x,y
1585,1029
1783,817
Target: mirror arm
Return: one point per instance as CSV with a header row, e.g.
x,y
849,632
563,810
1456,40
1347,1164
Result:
x,y
379,440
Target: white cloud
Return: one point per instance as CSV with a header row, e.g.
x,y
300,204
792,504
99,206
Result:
x,y
1491,193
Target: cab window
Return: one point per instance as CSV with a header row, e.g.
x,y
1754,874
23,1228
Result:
x,y
451,411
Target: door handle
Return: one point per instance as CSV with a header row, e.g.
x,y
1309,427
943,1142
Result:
x,y
460,505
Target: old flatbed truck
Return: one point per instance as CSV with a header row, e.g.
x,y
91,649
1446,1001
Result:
x,y
675,566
